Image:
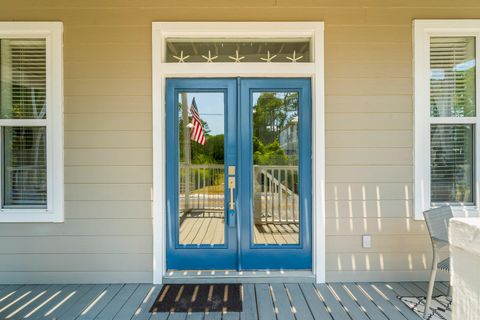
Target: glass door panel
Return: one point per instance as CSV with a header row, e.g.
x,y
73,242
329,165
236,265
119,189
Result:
x,y
275,172
276,215
201,191
200,135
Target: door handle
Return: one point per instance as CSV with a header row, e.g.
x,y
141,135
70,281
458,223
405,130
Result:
x,y
231,188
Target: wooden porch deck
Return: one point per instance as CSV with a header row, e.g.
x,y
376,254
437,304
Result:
x,y
342,301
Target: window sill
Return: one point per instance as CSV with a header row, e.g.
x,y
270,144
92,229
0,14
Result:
x,y
25,215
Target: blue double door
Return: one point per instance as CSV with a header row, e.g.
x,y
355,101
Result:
x,y
239,173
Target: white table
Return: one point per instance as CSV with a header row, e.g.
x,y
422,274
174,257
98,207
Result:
x,y
464,238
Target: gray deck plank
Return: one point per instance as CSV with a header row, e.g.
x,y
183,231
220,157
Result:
x,y
81,304
128,309
442,286
383,303
249,311
315,302
195,316
71,302
398,288
281,302
14,295
116,303
231,316
8,290
353,309
437,289
413,289
212,316
264,302
14,301
370,308
392,296
158,316
298,301
55,299
102,301
337,312
142,311
177,316
40,299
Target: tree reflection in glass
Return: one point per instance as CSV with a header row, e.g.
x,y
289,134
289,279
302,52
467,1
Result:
x,y
275,168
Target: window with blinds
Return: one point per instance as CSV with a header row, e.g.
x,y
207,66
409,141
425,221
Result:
x,y
452,140
23,99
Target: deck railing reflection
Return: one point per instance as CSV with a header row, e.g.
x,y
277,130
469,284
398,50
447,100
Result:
x,y
275,192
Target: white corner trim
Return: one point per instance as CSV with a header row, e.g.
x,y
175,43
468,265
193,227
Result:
x,y
422,31
52,32
162,70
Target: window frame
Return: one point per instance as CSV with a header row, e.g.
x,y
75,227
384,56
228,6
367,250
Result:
x,y
52,32
423,30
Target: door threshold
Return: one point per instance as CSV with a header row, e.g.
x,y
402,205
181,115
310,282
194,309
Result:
x,y
233,276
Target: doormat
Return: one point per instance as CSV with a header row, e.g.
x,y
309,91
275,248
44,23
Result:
x,y
440,308
199,298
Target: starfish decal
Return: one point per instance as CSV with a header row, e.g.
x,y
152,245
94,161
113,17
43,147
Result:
x,y
209,58
237,58
182,58
269,58
294,58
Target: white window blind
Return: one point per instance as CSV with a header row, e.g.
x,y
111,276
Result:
x,y
24,167
452,76
452,95
452,161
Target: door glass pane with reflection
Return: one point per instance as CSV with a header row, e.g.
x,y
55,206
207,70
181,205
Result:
x,y
201,168
276,213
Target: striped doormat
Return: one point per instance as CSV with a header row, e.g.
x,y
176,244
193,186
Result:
x,y
199,298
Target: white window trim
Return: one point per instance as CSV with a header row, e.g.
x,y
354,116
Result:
x,y
423,30
52,32
161,70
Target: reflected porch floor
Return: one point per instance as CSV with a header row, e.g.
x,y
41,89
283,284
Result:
x,y
210,230
301,301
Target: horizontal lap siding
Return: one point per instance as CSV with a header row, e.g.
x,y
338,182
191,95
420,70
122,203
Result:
x,y
107,235
369,156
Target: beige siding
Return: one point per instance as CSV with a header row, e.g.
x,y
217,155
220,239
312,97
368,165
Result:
x,y
107,235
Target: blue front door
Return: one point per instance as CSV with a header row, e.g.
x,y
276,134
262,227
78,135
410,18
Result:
x,y
238,173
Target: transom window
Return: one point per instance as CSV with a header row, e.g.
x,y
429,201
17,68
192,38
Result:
x,y
31,114
238,50
446,121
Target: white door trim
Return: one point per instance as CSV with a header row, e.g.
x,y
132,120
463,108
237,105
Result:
x,y
161,70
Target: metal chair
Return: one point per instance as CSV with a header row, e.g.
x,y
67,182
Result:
x,y
437,223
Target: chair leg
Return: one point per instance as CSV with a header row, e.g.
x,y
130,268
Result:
x,y
431,283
